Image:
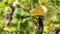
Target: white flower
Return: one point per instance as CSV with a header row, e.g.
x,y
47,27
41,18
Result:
x,y
14,3
44,8
54,17
59,33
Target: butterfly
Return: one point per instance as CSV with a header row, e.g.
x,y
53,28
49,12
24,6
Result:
x,y
39,10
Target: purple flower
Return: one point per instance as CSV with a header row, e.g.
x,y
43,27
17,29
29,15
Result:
x,y
8,15
53,32
40,29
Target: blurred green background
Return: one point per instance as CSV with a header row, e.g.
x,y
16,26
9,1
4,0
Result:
x,y
23,21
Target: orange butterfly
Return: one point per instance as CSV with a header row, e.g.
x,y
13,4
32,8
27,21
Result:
x,y
38,11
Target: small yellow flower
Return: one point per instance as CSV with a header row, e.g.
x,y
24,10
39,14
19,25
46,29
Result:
x,y
45,28
35,28
11,29
6,28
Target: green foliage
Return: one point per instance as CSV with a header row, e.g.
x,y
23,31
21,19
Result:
x,y
23,21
